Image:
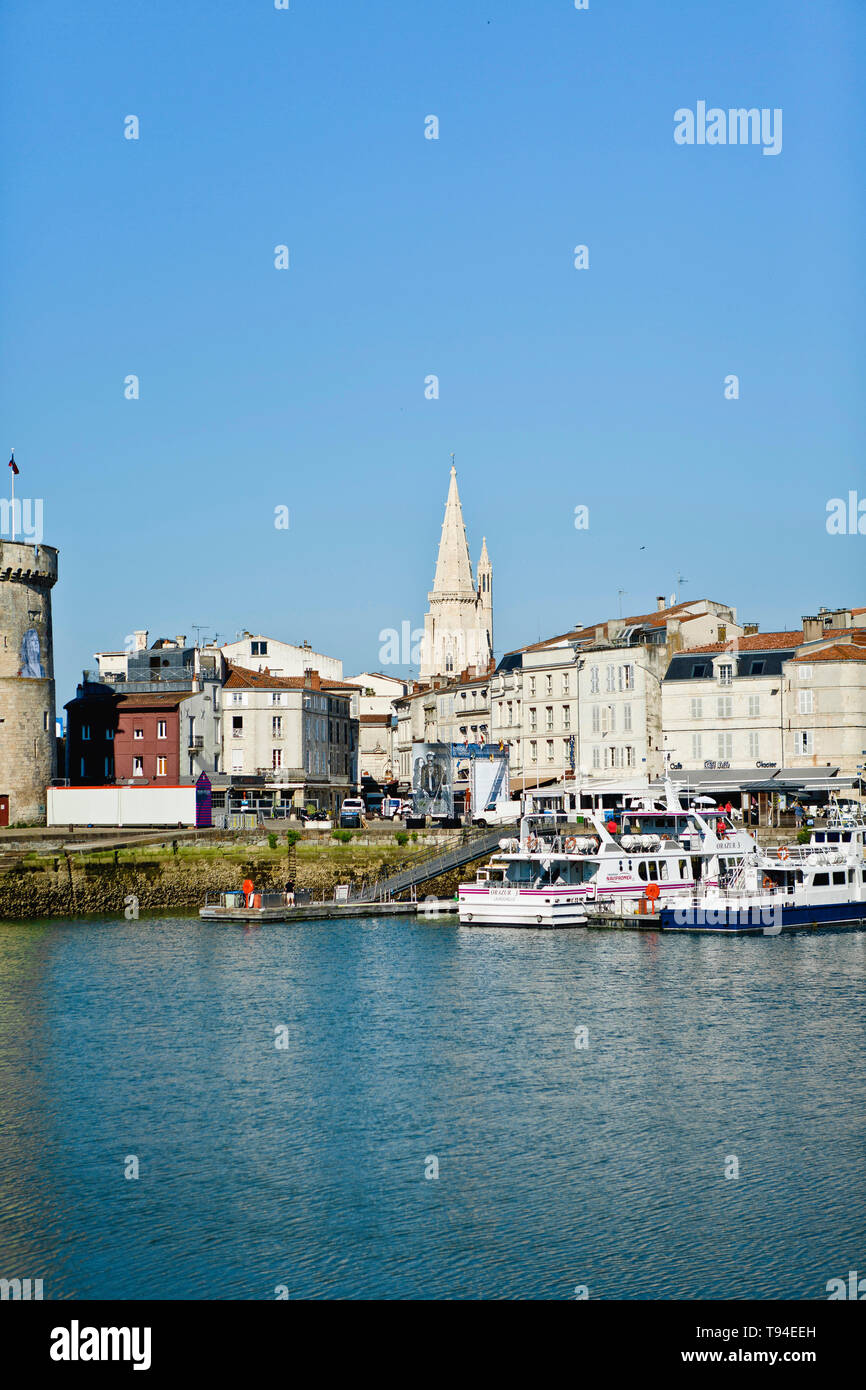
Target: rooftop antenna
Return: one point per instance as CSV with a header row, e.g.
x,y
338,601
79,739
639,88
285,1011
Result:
x,y
198,629
620,593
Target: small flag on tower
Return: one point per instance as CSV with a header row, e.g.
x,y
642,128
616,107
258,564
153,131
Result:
x,y
13,465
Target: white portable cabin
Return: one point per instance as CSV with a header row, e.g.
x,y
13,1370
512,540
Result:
x,y
121,806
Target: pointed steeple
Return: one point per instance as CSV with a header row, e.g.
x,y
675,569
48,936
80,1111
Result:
x,y
453,567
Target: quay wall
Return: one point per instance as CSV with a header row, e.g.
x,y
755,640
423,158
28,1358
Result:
x,y
71,886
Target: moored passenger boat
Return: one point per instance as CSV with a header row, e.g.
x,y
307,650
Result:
x,y
803,888
551,878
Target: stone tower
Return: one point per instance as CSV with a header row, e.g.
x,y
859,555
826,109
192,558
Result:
x,y
458,627
28,748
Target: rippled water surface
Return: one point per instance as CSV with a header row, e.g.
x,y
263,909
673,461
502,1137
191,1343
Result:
x,y
304,1166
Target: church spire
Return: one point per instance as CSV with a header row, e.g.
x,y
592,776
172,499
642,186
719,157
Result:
x,y
453,576
458,626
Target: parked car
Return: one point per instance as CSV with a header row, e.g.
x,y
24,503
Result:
x,y
351,813
391,807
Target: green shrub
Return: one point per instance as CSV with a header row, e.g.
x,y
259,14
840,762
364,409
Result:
x,y
414,837
803,837
344,836
272,842
401,837
292,837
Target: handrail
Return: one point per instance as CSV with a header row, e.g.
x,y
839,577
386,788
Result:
x,y
429,866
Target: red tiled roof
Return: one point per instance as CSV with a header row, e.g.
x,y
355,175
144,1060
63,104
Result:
x,y
154,700
837,651
240,678
754,642
657,619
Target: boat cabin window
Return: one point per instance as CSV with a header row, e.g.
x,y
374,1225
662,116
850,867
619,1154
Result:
x,y
519,871
651,871
839,876
821,880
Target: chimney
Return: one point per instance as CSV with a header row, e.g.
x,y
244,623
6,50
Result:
x,y
842,617
749,629
181,639
813,628
311,679
140,640
661,603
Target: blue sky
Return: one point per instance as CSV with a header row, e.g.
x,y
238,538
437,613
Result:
x,y
305,388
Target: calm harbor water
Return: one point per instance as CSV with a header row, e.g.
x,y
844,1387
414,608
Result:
x,y
304,1166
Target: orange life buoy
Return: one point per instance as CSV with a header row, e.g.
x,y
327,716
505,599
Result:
x,y
782,852
769,885
570,844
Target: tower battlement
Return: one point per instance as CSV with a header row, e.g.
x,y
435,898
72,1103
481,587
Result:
x,y
24,563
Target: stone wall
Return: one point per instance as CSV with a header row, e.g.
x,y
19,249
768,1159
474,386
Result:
x,y
64,887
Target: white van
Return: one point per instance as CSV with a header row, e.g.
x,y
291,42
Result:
x,y
503,813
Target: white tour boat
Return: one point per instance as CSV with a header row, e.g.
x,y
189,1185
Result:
x,y
548,878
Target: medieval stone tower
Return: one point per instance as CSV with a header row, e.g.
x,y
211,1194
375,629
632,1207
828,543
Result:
x,y
28,750
458,628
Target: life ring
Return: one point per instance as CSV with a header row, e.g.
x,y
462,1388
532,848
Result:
x,y
769,885
532,843
570,844
782,852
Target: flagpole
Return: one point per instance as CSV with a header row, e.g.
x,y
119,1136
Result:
x,y
12,453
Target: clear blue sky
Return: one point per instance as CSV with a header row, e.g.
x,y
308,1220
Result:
x,y
408,257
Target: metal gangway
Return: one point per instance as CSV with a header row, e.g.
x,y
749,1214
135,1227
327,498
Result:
x,y
430,865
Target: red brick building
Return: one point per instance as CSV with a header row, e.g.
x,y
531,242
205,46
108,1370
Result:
x,y
147,737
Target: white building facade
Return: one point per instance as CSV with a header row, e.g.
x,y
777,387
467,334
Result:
x,y
256,652
377,719
297,733
586,705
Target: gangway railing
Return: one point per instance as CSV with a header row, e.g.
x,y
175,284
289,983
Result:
x,y
432,865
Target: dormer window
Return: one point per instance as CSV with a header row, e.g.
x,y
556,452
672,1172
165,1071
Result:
x,y
725,673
